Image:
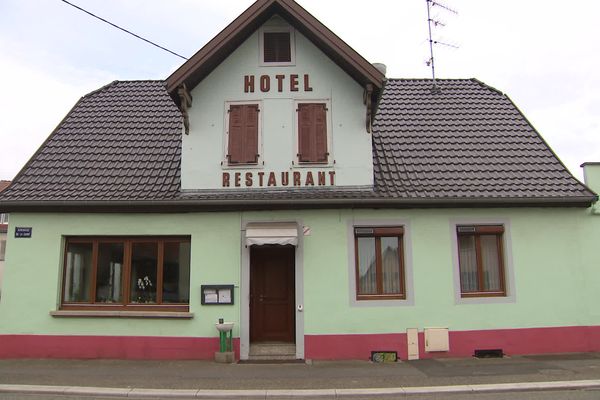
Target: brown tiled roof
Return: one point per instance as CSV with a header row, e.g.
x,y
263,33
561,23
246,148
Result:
x,y
120,142
467,144
465,140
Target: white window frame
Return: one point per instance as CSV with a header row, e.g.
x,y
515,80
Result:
x,y
330,158
224,161
3,218
261,45
509,276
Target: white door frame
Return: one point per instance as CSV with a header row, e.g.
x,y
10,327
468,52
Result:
x,y
245,290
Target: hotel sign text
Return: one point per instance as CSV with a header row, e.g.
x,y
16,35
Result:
x,y
266,83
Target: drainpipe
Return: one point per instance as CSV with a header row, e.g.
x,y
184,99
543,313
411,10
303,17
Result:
x,y
591,176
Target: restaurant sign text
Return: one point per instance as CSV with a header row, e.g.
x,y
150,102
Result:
x,y
278,179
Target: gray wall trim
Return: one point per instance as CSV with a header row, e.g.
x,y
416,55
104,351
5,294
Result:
x,y
408,263
511,296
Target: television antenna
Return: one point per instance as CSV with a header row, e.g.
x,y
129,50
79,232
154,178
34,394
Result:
x,y
434,22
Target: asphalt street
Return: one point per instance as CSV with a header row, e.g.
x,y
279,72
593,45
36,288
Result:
x,y
317,375
205,376
587,394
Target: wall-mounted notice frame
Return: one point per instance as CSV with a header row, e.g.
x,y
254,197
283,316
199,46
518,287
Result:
x,y
216,294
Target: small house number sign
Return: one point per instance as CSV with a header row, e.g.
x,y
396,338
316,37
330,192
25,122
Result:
x,y
22,232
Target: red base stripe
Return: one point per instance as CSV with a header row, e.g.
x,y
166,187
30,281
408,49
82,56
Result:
x,y
318,347
116,347
462,343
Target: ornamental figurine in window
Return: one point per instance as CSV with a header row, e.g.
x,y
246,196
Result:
x,y
145,293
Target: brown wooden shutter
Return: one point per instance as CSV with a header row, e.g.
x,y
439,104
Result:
x,y
243,134
312,133
277,47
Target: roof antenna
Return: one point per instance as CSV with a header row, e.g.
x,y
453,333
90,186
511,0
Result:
x,y
435,22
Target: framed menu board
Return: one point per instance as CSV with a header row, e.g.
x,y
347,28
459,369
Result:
x,y
217,294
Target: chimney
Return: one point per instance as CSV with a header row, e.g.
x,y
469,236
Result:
x,y
381,67
591,175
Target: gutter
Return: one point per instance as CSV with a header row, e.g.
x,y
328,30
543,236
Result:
x,y
179,205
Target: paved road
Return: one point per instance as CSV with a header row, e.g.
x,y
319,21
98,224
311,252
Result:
x,y
205,375
319,375
549,395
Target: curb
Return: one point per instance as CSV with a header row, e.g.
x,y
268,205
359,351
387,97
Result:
x,y
294,393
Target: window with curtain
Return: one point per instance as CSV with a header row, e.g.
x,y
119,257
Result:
x,y
379,263
481,260
126,273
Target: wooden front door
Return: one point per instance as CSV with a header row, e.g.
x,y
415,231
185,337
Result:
x,y
272,294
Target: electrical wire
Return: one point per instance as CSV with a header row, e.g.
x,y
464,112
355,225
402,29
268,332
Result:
x,y
124,30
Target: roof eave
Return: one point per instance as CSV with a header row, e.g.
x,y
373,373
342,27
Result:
x,y
187,205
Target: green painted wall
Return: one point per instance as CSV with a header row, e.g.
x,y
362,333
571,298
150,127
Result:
x,y
203,150
2,238
554,256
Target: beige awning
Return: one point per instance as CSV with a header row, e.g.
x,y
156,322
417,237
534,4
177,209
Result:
x,y
261,233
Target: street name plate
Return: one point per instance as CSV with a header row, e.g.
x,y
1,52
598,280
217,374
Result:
x,y
22,232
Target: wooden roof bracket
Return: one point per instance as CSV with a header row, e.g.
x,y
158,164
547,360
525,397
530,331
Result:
x,y
368,101
185,100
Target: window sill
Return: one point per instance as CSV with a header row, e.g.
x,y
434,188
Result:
x,y
226,166
263,63
307,164
121,314
470,295
380,297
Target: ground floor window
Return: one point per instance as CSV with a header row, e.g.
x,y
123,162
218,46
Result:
x,y
379,263
144,273
481,260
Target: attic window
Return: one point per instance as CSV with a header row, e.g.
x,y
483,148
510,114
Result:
x,y
277,46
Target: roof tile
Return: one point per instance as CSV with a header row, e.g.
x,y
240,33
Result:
x,y
467,140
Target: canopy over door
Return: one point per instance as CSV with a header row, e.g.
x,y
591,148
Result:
x,y
271,233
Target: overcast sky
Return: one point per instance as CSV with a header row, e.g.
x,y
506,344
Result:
x,y
545,55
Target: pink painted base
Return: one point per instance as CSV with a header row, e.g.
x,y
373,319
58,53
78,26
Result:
x,y
462,343
116,347
317,347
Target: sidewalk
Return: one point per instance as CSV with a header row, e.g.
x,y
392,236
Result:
x,y
320,379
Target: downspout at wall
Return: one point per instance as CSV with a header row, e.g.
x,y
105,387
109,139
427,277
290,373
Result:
x,y
591,176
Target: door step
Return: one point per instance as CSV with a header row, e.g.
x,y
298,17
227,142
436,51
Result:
x,y
272,351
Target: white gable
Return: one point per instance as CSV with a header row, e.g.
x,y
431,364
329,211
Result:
x,y
277,90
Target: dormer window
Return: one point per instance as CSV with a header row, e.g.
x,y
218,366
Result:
x,y
277,46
